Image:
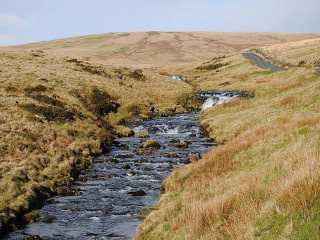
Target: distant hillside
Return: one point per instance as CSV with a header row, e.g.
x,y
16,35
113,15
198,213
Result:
x,y
148,49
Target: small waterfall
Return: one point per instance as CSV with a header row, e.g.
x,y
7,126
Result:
x,y
177,77
217,97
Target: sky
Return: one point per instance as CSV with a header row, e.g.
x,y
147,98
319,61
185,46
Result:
x,y
25,21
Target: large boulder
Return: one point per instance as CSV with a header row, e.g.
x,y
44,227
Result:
x,y
152,143
142,134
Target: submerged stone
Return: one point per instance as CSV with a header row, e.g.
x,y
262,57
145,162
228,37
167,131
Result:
x,y
138,193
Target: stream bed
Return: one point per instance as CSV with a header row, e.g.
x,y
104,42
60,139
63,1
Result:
x,y
123,181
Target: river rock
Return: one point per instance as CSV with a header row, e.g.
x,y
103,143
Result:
x,y
47,219
146,169
124,147
126,166
174,140
111,160
153,129
142,134
143,160
173,155
181,144
125,156
138,193
130,173
34,237
139,152
145,211
152,143
65,191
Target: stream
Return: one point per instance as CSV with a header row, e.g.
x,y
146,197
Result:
x,y
124,180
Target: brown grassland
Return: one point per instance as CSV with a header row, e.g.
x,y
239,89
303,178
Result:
x,y
52,121
263,180
149,49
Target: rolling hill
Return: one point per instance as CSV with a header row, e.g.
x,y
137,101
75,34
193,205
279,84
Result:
x,y
150,49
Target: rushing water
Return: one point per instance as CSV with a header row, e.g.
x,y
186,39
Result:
x,y
217,97
177,77
107,207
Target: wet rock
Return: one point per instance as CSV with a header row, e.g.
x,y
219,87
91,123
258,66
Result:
x,y
143,160
142,134
116,143
153,129
175,140
113,235
125,156
208,140
145,211
126,166
181,144
138,193
152,143
34,237
47,219
173,155
65,191
139,152
91,234
130,173
51,200
111,160
193,135
146,169
124,147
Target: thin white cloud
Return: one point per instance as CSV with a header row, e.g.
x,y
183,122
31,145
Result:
x,y
11,20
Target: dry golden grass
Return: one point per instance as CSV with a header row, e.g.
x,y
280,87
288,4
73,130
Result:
x,y
305,53
148,49
263,182
40,157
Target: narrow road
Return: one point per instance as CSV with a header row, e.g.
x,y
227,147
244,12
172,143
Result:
x,y
260,62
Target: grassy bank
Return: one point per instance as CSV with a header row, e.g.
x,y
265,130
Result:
x,y
57,114
263,180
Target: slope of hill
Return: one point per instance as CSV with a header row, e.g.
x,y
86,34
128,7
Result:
x,y
148,49
263,180
304,53
56,114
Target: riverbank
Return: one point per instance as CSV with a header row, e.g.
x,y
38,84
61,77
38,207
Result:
x,y
56,114
262,181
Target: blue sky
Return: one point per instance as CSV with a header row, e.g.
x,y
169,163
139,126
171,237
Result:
x,y
23,21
